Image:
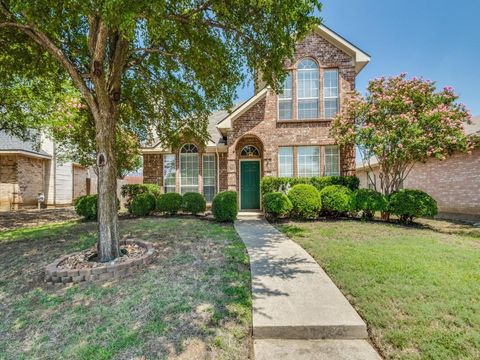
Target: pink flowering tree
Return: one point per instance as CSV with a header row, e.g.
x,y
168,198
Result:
x,y
400,122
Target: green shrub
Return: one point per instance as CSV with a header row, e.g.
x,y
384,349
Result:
x,y
169,203
86,206
130,191
336,200
368,201
224,206
276,204
275,184
193,203
306,203
408,204
143,204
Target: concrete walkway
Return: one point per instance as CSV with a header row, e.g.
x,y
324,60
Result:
x,y
298,312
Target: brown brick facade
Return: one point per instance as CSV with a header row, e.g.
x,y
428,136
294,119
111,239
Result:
x,y
259,125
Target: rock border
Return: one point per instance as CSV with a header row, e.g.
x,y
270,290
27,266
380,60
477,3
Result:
x,y
54,275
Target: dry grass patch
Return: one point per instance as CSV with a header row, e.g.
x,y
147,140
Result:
x,y
193,301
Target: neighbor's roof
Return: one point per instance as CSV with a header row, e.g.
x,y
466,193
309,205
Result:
x,y
12,144
474,127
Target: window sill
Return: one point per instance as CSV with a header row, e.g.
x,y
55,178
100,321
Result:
x,y
301,121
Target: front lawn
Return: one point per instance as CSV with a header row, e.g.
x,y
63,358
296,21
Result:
x,y
417,289
192,302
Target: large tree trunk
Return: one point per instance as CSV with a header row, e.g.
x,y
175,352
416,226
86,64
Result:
x,y
108,246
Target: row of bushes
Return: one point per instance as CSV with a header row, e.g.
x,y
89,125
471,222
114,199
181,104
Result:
x,y
144,199
283,184
304,201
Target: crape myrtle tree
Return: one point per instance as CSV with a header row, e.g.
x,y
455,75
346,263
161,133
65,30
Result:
x,y
162,65
400,122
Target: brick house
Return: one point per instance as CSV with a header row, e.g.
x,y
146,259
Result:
x,y
454,183
30,168
270,134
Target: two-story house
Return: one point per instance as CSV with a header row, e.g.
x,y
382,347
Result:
x,y
270,134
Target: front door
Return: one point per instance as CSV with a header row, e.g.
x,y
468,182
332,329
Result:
x,y
250,185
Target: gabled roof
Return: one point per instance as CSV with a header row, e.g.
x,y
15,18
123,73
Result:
x,y
12,144
361,57
226,122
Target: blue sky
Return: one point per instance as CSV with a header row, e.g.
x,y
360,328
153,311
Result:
x,y
435,39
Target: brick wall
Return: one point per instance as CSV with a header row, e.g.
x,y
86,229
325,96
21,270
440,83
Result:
x,y
8,180
454,183
31,179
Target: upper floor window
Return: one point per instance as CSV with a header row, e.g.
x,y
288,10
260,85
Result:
x,y
285,99
188,168
307,89
330,92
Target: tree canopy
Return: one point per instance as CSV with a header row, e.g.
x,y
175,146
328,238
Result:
x,y
402,121
138,66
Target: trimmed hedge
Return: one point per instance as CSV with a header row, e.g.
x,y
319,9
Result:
x,y
305,200
408,204
225,206
193,203
86,206
336,200
276,204
368,201
169,203
275,184
143,204
130,191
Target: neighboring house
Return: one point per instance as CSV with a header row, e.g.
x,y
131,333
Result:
x,y
454,183
270,134
31,168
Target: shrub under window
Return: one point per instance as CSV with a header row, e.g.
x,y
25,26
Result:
x,y
143,204
336,200
276,204
305,201
193,203
169,203
368,201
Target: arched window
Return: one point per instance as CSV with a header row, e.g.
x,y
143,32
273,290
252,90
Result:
x,y
307,89
250,151
188,168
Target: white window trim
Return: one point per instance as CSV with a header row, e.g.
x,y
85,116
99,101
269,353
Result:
x,y
337,97
180,168
293,160
164,174
281,99
317,98
338,160
215,176
319,160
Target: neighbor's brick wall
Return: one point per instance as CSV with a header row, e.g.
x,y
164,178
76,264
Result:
x,y
454,183
8,180
31,179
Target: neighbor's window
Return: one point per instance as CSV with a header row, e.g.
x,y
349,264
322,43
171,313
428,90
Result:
x,y
308,162
209,176
188,169
285,161
169,171
332,161
307,89
285,99
330,92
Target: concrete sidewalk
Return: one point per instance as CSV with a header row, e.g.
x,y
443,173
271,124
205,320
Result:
x,y
295,300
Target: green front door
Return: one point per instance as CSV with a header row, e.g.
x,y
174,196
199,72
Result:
x,y
249,185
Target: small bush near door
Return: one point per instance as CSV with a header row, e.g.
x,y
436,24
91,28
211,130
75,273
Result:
x,y
408,204
336,200
86,206
143,204
193,203
276,205
169,203
305,200
225,206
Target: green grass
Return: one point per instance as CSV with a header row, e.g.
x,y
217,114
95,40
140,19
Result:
x,y
193,301
417,289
